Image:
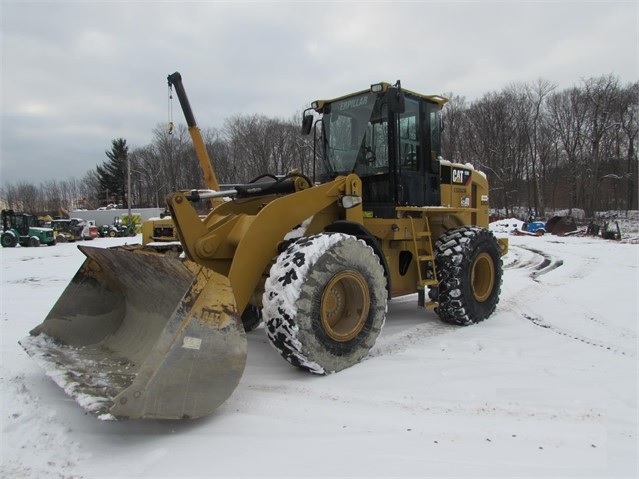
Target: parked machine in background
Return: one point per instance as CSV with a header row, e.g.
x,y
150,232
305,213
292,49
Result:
x,y
124,228
537,228
109,231
67,229
23,229
90,230
117,229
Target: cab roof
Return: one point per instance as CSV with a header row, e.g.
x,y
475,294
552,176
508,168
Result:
x,y
383,87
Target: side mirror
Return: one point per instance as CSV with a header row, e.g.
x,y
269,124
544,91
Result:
x,y
307,124
434,163
396,102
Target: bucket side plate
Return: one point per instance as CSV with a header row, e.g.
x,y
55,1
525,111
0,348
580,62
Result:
x,y
138,334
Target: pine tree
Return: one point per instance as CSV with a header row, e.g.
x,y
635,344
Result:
x,y
112,173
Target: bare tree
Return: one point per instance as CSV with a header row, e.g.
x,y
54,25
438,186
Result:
x,y
455,127
536,95
600,93
493,142
567,113
630,129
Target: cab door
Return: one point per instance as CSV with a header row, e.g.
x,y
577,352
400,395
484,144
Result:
x,y
410,161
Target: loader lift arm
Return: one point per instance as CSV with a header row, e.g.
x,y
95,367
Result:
x,y
262,212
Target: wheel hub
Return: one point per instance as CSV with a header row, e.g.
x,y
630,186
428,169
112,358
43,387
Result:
x,y
345,305
482,277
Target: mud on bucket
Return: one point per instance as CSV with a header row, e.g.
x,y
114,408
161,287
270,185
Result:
x,y
137,334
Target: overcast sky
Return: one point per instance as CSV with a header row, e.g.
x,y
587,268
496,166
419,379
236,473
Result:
x,y
76,75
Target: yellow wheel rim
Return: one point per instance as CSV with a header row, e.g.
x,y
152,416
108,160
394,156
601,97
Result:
x,y
482,277
345,304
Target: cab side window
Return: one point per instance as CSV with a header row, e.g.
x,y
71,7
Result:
x,y
409,158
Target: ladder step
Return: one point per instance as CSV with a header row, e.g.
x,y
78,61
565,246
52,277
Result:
x,y
430,305
424,254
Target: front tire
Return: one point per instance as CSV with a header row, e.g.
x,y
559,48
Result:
x,y
324,303
469,269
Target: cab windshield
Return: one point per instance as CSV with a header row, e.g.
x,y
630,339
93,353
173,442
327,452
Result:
x,y
355,135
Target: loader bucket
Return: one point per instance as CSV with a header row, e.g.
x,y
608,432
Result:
x,y
138,334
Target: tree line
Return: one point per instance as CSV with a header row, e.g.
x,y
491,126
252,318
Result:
x,y
541,148
544,148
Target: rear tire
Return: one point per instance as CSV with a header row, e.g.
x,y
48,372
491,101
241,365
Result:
x,y
8,240
251,318
469,269
325,302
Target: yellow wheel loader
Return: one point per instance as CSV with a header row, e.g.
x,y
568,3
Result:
x,y
142,334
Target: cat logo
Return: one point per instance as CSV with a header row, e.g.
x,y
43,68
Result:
x,y
460,176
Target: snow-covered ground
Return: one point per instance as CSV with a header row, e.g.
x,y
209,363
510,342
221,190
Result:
x,y
546,387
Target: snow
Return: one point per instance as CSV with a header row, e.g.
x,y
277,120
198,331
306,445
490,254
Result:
x,y
37,344
546,387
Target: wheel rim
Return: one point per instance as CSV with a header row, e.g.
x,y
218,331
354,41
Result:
x,y
482,277
345,304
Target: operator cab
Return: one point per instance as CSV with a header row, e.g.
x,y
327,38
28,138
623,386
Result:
x,y
389,137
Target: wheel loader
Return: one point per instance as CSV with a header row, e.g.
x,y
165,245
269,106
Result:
x,y
144,334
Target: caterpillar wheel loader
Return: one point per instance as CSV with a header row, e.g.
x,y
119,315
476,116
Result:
x,y
140,334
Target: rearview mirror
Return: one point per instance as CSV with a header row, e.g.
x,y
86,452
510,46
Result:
x,y
396,102
307,124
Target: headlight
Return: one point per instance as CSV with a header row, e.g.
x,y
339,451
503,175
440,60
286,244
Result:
x,y
349,201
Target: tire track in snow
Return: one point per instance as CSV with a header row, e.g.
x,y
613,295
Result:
x,y
400,342
396,339
540,261
578,337
520,258
584,326
408,404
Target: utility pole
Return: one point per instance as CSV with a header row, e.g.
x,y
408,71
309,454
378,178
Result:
x,y
128,188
